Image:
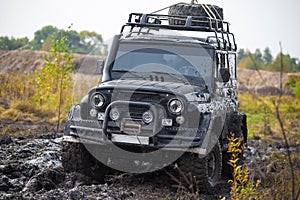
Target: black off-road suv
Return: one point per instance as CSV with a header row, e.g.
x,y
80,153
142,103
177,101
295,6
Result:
x,y
168,95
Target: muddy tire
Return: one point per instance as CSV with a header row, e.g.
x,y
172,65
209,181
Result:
x,y
238,126
205,172
76,158
194,10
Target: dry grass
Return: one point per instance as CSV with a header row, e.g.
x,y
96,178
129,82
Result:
x,y
17,102
82,84
25,111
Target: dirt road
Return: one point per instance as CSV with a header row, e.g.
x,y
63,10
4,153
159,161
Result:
x,y
30,168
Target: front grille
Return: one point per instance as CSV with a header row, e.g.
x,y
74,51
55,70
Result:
x,y
137,96
145,97
132,106
137,112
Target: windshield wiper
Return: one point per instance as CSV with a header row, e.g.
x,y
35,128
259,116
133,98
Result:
x,y
177,77
135,73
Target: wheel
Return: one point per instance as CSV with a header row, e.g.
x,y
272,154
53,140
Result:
x,y
206,172
238,126
76,158
204,10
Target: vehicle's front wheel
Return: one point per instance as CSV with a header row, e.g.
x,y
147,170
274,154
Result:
x,y
76,158
206,171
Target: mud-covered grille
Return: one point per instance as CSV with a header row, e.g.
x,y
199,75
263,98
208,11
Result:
x,y
132,112
145,97
137,112
137,96
132,117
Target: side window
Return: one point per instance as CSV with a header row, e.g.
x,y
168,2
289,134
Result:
x,y
222,71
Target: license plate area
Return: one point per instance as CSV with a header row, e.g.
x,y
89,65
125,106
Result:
x,y
130,139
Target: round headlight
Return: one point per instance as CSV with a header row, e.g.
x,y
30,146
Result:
x,y
114,114
97,100
147,117
175,106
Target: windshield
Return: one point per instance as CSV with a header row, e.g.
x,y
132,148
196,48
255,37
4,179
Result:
x,y
170,63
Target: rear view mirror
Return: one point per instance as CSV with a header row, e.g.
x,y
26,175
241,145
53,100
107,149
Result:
x,y
100,65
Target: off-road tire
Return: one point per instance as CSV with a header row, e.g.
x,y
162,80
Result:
x,y
193,10
76,158
238,126
205,171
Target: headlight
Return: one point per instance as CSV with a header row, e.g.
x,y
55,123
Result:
x,y
147,117
175,106
97,100
114,114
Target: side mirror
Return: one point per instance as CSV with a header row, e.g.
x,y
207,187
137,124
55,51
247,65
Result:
x,y
100,65
224,75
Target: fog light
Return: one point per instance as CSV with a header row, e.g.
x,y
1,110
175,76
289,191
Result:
x,y
114,114
180,120
93,112
147,117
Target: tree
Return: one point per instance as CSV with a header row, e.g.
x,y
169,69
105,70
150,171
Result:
x,y
91,42
267,56
4,43
41,36
276,65
46,46
294,64
250,61
7,43
241,54
85,42
55,78
258,56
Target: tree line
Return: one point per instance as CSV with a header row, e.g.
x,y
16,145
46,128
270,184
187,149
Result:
x,y
84,42
264,60
90,42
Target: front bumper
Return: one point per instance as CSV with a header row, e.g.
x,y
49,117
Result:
x,y
93,131
101,132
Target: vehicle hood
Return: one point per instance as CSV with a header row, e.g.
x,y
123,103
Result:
x,y
191,92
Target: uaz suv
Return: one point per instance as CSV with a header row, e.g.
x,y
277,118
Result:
x,y
168,95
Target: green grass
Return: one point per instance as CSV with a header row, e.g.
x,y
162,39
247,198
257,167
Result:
x,y
261,116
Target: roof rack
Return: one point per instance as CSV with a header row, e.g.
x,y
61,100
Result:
x,y
219,27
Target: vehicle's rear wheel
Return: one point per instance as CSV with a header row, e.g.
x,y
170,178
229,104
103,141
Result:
x,y
76,158
238,127
206,172
204,10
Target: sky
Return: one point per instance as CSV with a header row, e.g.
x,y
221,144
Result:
x,y
255,23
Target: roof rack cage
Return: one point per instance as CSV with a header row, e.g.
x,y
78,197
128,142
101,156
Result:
x,y
186,23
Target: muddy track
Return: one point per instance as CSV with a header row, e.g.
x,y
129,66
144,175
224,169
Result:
x,y
30,168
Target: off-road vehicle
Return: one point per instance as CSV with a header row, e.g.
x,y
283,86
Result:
x,y
166,97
